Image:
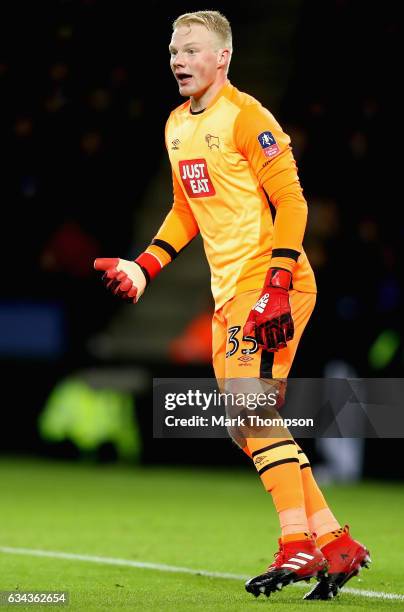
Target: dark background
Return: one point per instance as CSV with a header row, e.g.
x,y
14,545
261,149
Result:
x,y
85,90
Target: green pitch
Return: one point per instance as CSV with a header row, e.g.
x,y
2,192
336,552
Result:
x,y
219,521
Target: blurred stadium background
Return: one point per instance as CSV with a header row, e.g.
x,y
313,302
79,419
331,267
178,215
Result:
x,y
85,93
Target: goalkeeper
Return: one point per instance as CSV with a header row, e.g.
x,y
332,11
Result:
x,y
232,167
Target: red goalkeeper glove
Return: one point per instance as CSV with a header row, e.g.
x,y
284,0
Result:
x,y
128,279
270,320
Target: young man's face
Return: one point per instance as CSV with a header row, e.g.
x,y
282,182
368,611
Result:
x,y
194,60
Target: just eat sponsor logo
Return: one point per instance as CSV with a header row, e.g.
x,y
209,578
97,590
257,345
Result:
x,y
195,177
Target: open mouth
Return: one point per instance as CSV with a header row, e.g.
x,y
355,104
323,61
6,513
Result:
x,y
183,78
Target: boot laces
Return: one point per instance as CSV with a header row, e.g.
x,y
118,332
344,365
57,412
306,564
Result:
x,y
278,557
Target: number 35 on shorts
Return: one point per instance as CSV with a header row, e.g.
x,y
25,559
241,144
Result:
x,y
235,337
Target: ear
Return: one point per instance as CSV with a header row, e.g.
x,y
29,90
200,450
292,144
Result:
x,y
222,57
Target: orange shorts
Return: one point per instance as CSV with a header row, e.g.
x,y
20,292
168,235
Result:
x,y
235,358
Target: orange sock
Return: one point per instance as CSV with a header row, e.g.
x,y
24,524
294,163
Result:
x,y
277,464
294,537
329,536
321,519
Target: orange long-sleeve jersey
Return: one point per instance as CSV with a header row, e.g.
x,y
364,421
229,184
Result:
x,y
228,162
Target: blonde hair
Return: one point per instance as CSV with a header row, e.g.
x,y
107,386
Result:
x,y
212,21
